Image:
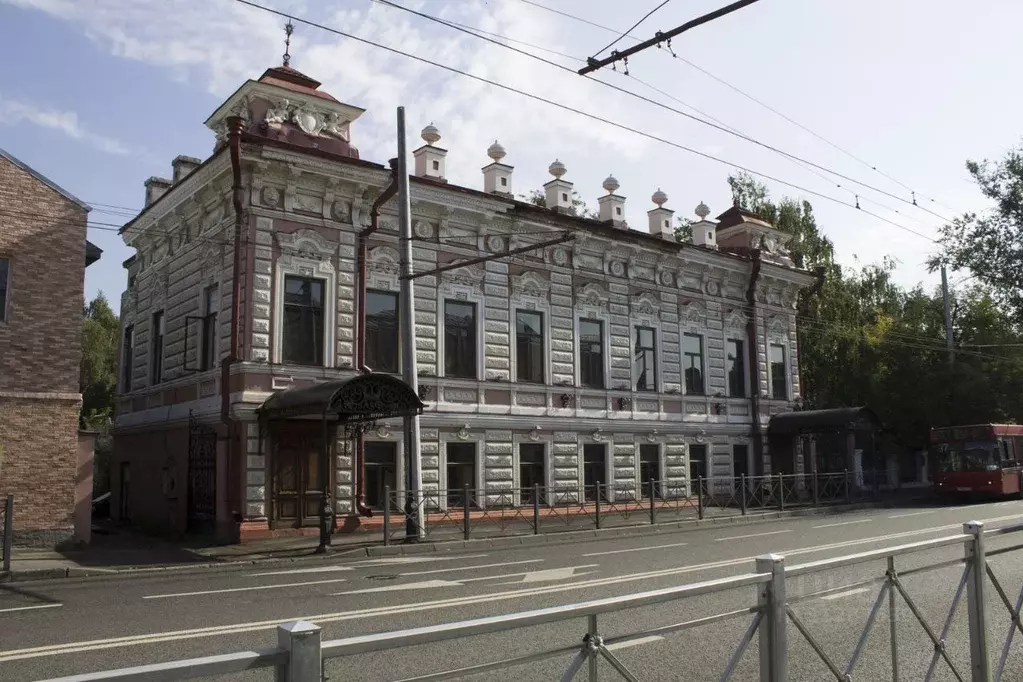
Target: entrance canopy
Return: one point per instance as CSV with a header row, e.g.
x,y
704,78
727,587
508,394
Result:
x,y
367,397
824,421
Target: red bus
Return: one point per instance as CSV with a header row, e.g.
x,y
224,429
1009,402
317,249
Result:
x,y
983,459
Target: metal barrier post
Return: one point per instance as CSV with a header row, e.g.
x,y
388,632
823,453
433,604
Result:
x,y
781,491
848,491
8,531
387,515
816,492
596,506
742,482
699,497
305,662
980,662
465,513
592,637
653,502
771,600
536,509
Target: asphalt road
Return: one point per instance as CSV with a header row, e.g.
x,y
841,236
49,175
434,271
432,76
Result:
x,y
50,629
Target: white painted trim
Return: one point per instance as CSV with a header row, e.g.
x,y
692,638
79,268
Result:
x,y
289,263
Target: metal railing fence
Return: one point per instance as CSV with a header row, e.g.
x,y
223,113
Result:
x,y
300,654
8,533
469,512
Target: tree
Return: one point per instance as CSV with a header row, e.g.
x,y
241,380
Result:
x,y
98,373
579,206
990,244
683,230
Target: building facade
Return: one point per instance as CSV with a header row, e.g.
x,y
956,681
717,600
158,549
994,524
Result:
x,y
617,357
43,256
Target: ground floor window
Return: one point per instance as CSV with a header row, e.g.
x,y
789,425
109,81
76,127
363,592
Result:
x,y
697,462
381,472
649,468
594,469
531,470
461,471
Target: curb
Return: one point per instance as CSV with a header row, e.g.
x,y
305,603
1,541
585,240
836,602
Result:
x,y
560,537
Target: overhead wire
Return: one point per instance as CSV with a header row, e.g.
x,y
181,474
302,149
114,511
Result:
x,y
631,28
757,101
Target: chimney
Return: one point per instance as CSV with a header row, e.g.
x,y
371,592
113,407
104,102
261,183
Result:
x,y
558,192
704,231
612,206
430,159
497,176
156,188
183,165
660,217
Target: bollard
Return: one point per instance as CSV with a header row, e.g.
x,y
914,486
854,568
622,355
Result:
x,y
301,640
699,497
465,513
781,491
980,662
772,604
596,507
653,507
387,515
8,531
536,509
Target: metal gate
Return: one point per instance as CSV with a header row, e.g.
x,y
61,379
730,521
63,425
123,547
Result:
x,y
202,476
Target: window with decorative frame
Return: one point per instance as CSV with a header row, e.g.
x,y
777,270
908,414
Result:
x,y
305,295
593,368
382,327
735,367
529,347
692,363
779,372
460,352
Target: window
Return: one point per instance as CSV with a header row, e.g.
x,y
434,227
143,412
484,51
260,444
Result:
x,y
5,273
209,328
382,331
460,339
127,357
461,470
594,470
591,353
697,462
735,365
692,363
157,330
644,361
649,468
381,473
504,182
779,384
436,165
740,460
531,474
529,357
303,321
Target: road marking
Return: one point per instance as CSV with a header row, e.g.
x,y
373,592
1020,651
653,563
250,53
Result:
x,y
637,549
243,589
919,513
422,585
256,626
752,535
318,569
847,593
1005,504
552,574
527,577
470,568
29,608
389,561
634,642
843,523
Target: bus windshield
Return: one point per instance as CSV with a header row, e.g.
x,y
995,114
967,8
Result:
x,y
968,456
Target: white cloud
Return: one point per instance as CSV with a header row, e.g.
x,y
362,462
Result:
x,y
16,112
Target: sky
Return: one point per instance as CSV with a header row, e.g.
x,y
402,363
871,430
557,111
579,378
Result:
x,y
104,94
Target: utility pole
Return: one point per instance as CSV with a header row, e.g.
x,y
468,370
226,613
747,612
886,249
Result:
x,y
948,319
414,517
592,64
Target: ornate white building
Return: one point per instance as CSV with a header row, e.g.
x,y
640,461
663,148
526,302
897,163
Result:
x,y
619,356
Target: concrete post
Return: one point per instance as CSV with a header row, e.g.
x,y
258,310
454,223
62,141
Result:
x,y
301,639
773,640
980,661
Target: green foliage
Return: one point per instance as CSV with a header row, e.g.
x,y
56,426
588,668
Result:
x,y
579,206
684,230
98,373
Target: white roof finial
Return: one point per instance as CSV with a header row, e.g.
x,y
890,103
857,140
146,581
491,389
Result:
x,y
496,152
702,210
659,197
557,169
430,134
611,184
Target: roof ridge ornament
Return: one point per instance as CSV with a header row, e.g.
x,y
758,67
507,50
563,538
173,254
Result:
x,y
289,28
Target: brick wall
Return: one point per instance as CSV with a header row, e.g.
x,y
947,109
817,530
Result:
x,y
40,343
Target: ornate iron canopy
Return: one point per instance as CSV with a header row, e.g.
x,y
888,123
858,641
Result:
x,y
364,398
821,421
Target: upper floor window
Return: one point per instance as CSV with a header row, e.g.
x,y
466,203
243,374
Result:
x,y
303,331
779,384
127,357
735,366
382,331
5,273
460,339
211,303
644,361
692,363
591,353
529,357
157,330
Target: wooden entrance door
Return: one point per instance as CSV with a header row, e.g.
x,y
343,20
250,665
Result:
x,y
297,487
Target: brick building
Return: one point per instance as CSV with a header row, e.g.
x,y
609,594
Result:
x,y
43,256
617,357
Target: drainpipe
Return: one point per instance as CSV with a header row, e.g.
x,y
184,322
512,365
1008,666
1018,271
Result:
x,y
360,336
235,126
751,341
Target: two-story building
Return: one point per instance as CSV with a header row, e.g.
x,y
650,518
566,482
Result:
x,y
43,256
618,357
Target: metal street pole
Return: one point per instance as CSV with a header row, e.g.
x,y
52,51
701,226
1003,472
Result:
x,y
413,462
